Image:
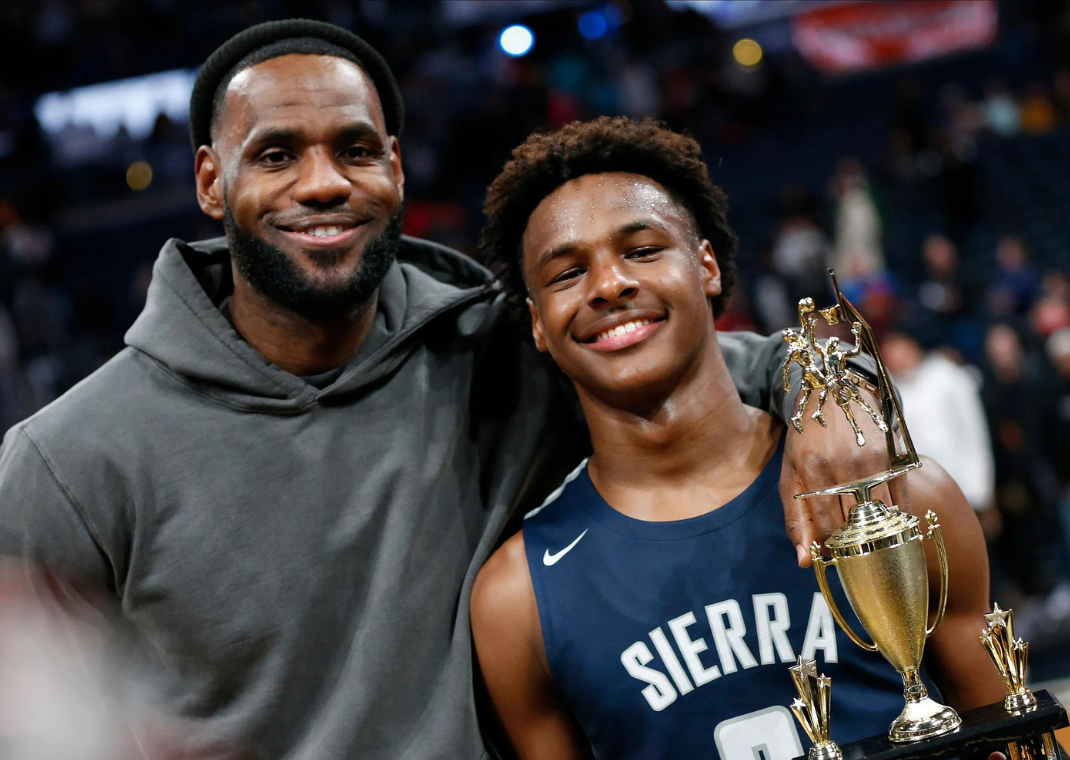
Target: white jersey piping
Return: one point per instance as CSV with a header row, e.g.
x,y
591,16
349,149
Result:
x,y
559,490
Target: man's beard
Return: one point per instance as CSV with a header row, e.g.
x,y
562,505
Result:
x,y
274,275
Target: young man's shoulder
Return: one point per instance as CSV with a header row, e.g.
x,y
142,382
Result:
x,y
503,588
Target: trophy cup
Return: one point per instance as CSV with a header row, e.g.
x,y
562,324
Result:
x,y
878,552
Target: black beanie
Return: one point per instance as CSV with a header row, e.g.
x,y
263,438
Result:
x,y
231,52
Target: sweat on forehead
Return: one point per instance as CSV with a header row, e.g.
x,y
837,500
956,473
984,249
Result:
x,y
615,191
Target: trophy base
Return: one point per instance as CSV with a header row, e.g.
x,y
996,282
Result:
x,y
830,751
984,730
923,719
1019,702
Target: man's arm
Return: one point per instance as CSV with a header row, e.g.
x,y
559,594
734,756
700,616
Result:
x,y
41,522
956,659
512,657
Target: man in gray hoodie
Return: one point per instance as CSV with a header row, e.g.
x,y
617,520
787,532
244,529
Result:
x,y
285,484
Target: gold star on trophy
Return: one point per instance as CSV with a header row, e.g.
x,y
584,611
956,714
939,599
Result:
x,y
812,708
1010,657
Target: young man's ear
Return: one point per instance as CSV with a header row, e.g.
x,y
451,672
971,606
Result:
x,y
208,172
536,328
711,273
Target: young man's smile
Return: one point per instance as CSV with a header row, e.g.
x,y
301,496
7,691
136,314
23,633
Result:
x,y
620,331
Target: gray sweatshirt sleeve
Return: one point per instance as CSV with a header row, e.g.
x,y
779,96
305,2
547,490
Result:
x,y
39,521
756,363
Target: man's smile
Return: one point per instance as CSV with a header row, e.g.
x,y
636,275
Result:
x,y
622,330
324,231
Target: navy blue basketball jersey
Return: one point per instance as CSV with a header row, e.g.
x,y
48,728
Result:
x,y
673,639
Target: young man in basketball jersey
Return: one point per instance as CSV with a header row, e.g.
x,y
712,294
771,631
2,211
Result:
x,y
651,608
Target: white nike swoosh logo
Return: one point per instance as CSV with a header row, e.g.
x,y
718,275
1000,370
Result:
x,y
552,559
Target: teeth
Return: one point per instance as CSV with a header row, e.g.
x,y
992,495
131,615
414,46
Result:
x,y
622,329
323,231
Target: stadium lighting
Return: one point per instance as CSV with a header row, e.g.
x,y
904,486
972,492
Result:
x,y
593,25
138,175
747,53
516,40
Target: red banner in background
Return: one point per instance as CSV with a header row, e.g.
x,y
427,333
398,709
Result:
x,y
864,35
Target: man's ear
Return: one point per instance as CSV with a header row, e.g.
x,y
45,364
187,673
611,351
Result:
x,y
536,328
208,172
711,273
395,162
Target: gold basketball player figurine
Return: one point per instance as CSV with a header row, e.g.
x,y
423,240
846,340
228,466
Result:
x,y
878,552
812,707
825,370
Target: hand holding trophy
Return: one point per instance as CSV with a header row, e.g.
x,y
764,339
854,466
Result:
x,y
878,552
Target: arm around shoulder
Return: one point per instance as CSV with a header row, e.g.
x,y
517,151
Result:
x,y
512,658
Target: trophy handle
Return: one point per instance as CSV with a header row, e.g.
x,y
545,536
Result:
x,y
938,538
820,564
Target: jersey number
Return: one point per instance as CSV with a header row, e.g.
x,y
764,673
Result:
x,y
768,734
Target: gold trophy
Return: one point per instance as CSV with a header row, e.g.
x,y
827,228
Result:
x,y
1010,657
813,707
878,552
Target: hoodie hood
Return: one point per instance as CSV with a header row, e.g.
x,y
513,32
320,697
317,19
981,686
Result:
x,y
183,328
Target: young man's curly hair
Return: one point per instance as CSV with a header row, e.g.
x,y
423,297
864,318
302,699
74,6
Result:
x,y
544,162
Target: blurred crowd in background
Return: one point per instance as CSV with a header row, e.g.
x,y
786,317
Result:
x,y
936,188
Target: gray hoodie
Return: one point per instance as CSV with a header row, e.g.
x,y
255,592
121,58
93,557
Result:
x,y
295,561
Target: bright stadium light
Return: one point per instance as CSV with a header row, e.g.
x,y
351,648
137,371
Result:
x,y
593,25
517,40
747,53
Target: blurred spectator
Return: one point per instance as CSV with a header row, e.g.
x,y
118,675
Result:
x,y
638,90
909,116
1036,111
1057,421
800,248
1061,90
945,291
1000,110
1051,312
962,119
945,416
1016,283
899,161
1030,550
955,160
945,297
858,253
